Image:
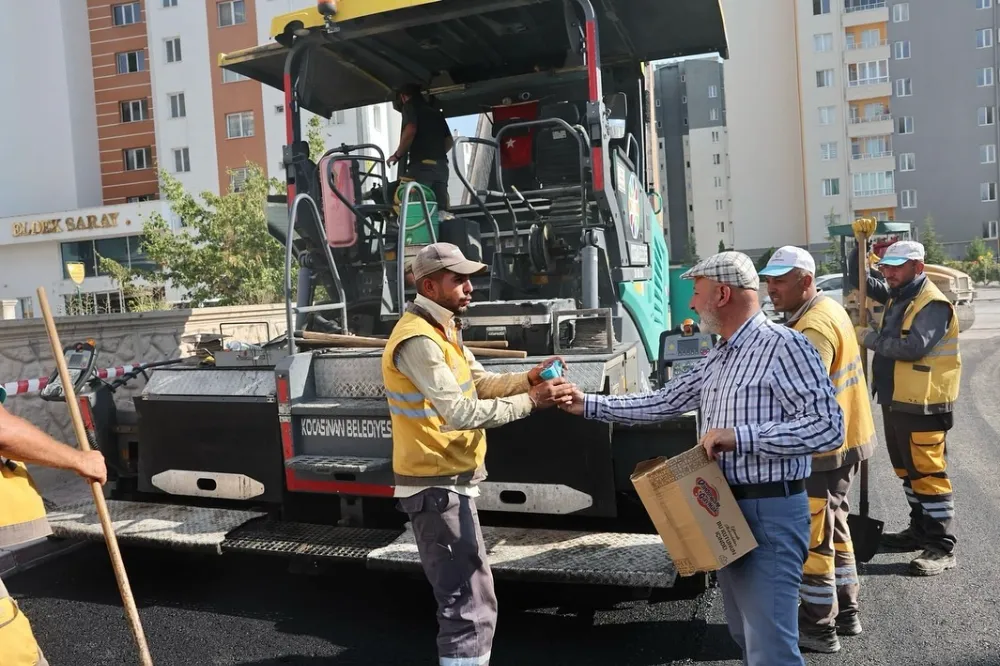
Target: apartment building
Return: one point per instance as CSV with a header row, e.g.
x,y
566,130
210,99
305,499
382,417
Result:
x,y
692,147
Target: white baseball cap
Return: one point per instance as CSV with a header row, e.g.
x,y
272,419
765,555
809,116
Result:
x,y
786,258
901,252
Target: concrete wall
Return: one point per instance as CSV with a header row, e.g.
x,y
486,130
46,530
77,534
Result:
x,y
25,352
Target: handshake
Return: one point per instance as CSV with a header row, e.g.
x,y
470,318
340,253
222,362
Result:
x,y
556,392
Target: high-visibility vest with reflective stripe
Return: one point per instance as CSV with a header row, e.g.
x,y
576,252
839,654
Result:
x,y
423,454
22,512
18,646
847,375
930,384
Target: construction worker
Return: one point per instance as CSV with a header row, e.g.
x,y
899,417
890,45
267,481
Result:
x,y
915,375
22,515
425,140
441,401
830,583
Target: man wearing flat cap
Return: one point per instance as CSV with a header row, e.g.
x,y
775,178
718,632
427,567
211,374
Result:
x,y
767,405
441,401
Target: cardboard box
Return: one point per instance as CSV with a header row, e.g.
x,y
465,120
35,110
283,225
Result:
x,y
690,503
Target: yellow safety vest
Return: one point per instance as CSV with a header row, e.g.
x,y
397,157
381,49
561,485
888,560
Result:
x,y
847,374
928,385
423,454
22,512
18,646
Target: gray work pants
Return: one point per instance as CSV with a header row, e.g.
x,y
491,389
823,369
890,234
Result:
x,y
453,555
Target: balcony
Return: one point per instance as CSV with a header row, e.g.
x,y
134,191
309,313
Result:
x,y
869,199
863,126
882,161
880,86
859,12
863,51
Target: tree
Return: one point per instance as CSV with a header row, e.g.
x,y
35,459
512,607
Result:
x,y
977,249
692,250
764,258
933,251
722,246
223,251
315,139
137,296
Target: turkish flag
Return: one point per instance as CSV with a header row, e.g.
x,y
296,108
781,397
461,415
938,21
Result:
x,y
515,146
515,151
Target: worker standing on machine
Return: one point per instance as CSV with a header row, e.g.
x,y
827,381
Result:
x,y
22,514
830,582
767,406
425,140
916,373
441,401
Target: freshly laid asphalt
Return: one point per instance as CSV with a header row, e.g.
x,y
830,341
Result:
x,y
252,611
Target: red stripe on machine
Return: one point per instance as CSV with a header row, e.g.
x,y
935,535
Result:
x,y
338,487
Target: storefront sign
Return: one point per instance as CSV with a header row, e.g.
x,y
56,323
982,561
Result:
x,y
56,226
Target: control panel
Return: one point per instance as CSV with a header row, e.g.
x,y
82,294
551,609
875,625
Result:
x,y
80,360
682,348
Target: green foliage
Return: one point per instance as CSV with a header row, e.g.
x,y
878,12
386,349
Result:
x,y
223,252
764,258
315,139
722,246
976,250
933,251
692,250
137,297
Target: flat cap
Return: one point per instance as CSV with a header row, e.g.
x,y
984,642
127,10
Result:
x,y
730,268
443,256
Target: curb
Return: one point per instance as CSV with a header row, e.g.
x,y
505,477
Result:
x,y
34,553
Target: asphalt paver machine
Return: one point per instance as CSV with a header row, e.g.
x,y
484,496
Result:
x,y
286,448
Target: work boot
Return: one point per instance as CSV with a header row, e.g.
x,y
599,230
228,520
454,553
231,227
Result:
x,y
827,642
908,539
931,562
848,625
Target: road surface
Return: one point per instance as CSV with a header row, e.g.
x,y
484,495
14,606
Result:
x,y
245,611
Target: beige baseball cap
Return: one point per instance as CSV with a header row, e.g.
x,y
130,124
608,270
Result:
x,y
443,256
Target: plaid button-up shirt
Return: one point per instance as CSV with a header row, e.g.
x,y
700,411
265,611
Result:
x,y
766,382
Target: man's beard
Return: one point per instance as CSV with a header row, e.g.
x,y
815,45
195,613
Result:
x,y
710,322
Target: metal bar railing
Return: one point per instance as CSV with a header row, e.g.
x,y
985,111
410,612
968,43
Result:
x,y
468,186
401,241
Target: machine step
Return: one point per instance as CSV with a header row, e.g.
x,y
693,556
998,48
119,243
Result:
x,y
555,556
328,542
337,464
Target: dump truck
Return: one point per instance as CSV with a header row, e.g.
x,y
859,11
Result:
x,y
285,447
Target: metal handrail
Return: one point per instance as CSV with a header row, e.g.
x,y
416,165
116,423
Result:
x,y
346,157
401,241
342,304
468,186
628,153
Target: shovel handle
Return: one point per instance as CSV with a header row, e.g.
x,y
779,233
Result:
x,y
863,228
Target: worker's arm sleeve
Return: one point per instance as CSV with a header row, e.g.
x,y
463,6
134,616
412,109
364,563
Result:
x,y
493,384
823,345
424,364
928,327
877,288
678,396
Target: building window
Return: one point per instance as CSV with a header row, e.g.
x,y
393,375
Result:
x,y
377,118
657,103
131,62
126,250
984,38
713,114
901,50
716,158
239,125
229,76
722,227
718,181
831,187
905,125
828,151
904,87
823,42
169,3
126,14
901,12
987,115
821,7
908,199
182,160
832,220
138,158
868,73
178,106
827,114
991,229
713,91
824,78
174,49
141,197
135,110
231,12
984,77
907,161
872,147
988,191
237,178
718,204
715,137
988,154
984,4
873,183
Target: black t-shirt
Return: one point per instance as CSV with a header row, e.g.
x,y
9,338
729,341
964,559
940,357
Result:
x,y
432,131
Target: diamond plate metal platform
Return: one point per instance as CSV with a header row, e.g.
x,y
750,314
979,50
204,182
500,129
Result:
x,y
172,526
308,540
554,556
334,464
